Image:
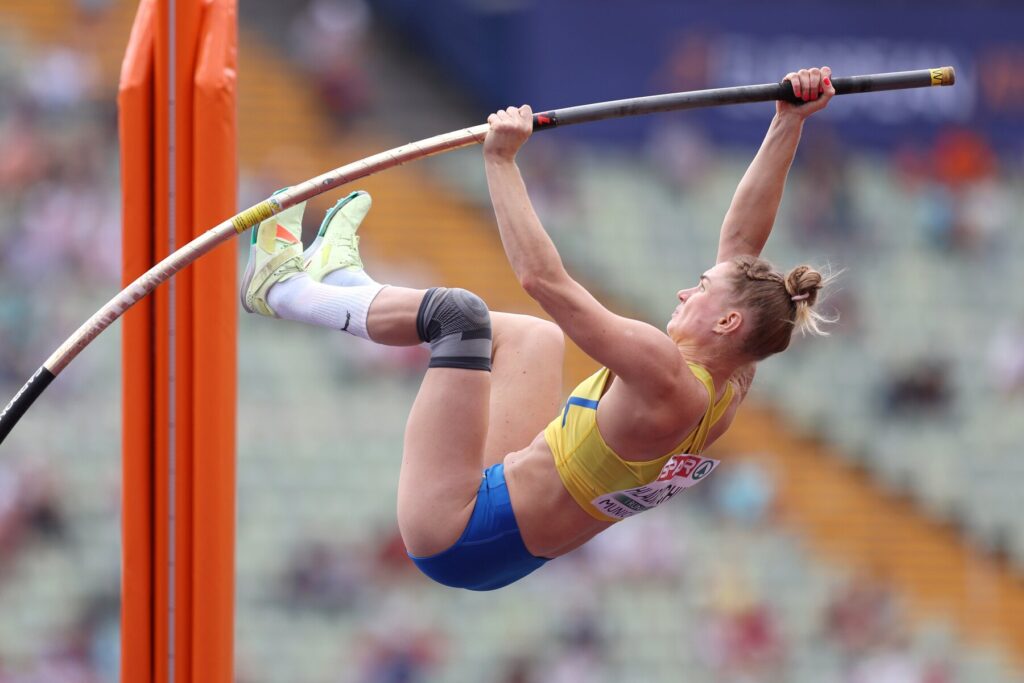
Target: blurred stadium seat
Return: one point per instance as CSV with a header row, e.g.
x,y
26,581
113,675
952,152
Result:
x,y
715,596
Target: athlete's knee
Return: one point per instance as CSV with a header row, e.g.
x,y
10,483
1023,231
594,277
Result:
x,y
539,341
548,335
516,329
457,325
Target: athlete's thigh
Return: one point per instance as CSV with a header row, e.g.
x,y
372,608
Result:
x,y
442,458
526,382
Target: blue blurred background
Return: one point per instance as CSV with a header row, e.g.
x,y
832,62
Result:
x,y
909,411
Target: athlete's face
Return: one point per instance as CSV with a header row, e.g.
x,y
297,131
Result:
x,y
704,308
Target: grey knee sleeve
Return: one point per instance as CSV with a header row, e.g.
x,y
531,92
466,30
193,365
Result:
x,y
457,325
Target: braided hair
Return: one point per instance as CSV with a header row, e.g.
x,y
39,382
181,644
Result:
x,y
777,304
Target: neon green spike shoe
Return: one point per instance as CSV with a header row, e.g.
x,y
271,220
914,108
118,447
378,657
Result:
x,y
336,245
275,255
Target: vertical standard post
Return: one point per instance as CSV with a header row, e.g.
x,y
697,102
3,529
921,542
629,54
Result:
x,y
136,129
172,451
215,319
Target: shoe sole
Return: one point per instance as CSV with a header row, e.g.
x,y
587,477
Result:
x,y
250,270
250,267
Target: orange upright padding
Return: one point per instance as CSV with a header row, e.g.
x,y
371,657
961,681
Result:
x,y
180,348
135,124
187,18
161,349
215,332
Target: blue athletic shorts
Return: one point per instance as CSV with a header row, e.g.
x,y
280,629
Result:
x,y
490,554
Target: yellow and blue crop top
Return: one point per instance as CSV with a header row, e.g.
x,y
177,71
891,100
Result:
x,y
608,487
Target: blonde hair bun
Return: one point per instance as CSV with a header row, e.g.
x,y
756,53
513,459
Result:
x,y
803,284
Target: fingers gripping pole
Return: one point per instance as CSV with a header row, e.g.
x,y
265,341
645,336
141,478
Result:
x,y
412,151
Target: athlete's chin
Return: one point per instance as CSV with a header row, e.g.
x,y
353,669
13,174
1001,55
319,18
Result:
x,y
673,321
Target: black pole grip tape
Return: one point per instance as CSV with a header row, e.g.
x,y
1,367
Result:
x,y
546,119
23,400
715,97
786,92
899,80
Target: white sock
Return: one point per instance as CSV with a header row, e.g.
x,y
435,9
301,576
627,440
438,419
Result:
x,y
339,308
348,278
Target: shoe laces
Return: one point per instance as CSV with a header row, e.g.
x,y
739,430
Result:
x,y
345,240
348,242
292,265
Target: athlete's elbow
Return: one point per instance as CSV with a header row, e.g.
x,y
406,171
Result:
x,y
532,284
540,284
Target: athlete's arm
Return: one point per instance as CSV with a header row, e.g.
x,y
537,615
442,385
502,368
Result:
x,y
750,217
638,353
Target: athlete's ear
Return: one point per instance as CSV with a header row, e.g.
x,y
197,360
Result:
x,y
729,323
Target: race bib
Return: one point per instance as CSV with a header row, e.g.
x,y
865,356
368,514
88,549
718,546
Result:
x,y
680,472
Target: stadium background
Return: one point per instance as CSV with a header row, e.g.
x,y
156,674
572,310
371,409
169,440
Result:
x,y
866,528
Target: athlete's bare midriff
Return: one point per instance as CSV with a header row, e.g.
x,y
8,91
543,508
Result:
x,y
550,520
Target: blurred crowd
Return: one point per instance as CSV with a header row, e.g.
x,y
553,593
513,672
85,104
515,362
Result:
x,y
34,519
59,209
328,39
60,235
85,650
743,637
